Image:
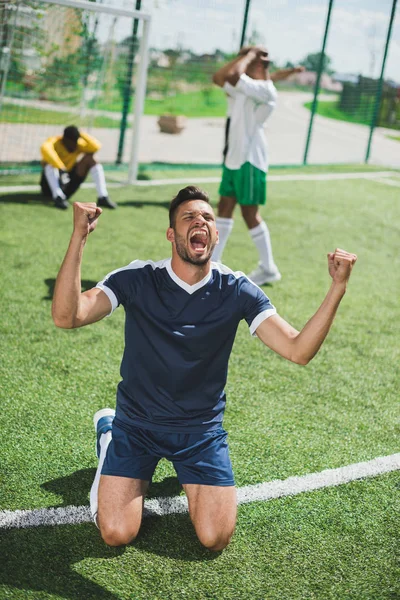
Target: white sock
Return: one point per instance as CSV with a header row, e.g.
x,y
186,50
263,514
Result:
x,y
261,238
97,172
52,175
105,439
224,227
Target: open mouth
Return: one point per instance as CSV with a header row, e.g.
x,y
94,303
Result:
x,y
198,240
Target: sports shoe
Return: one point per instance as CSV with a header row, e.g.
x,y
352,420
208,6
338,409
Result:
x,y
261,276
102,423
61,203
105,201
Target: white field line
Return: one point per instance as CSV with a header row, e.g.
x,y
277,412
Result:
x,y
36,188
280,178
387,181
251,493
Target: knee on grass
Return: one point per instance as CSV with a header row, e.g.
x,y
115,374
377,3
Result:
x,y
115,534
215,541
85,164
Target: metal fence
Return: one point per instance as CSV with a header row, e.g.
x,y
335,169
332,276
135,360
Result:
x,y
66,67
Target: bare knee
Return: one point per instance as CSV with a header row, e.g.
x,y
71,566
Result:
x,y
115,534
85,164
88,160
215,541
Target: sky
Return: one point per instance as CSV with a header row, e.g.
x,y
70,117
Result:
x,y
290,28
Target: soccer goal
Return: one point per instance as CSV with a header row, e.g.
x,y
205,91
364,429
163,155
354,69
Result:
x,y
66,62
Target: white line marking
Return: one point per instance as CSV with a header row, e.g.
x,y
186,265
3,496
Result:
x,y
36,188
292,486
387,181
281,178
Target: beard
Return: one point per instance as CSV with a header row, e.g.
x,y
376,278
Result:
x,y
183,253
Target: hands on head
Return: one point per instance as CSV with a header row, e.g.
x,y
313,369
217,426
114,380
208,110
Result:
x,y
340,265
86,215
260,53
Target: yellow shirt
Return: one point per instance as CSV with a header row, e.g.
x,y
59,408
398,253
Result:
x,y
55,153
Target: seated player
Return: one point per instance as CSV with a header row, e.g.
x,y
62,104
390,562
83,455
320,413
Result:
x,y
63,173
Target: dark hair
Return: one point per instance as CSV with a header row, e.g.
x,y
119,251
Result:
x,y
72,133
191,192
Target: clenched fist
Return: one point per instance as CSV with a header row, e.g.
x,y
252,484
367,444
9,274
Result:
x,y
340,264
86,215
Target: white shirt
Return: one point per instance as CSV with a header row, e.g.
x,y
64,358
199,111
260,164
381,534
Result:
x,y
250,103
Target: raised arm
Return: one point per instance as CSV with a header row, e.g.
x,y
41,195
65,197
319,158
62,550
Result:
x,y
70,307
301,347
285,73
232,71
91,145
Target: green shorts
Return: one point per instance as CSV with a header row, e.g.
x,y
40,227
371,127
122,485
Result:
x,y
247,184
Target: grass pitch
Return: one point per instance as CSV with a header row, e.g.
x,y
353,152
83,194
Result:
x,y
282,419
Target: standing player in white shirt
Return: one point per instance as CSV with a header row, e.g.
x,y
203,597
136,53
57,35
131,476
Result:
x,y
251,99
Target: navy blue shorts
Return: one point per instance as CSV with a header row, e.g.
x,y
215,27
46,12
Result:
x,y
201,458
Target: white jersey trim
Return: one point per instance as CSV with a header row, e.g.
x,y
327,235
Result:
x,y
135,264
111,296
226,270
190,289
266,314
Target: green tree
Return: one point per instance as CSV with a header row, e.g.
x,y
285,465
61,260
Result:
x,y
312,61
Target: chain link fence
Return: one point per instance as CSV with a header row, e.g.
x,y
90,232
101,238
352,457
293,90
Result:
x,y
63,65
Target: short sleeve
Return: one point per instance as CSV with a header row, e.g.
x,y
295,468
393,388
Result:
x,y
256,305
120,285
229,89
261,91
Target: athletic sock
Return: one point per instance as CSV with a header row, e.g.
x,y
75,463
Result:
x,y
52,175
105,439
97,172
261,238
224,227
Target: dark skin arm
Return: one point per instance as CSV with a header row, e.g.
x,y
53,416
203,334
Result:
x,y
232,71
285,73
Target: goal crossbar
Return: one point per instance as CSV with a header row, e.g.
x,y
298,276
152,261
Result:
x,y
93,6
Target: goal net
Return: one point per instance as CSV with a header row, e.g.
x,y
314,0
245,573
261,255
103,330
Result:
x,y
70,62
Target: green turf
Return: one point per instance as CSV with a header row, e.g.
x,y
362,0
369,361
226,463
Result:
x,y
394,137
282,419
323,545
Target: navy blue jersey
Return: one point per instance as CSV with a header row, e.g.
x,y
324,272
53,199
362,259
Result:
x,y
178,339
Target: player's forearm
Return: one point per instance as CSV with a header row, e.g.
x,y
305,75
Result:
x,y
51,157
93,145
311,337
232,71
67,291
282,74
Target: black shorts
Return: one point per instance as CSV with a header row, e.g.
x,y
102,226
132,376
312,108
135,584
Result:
x,y
69,181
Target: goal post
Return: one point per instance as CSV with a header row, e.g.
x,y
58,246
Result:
x,y
65,61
